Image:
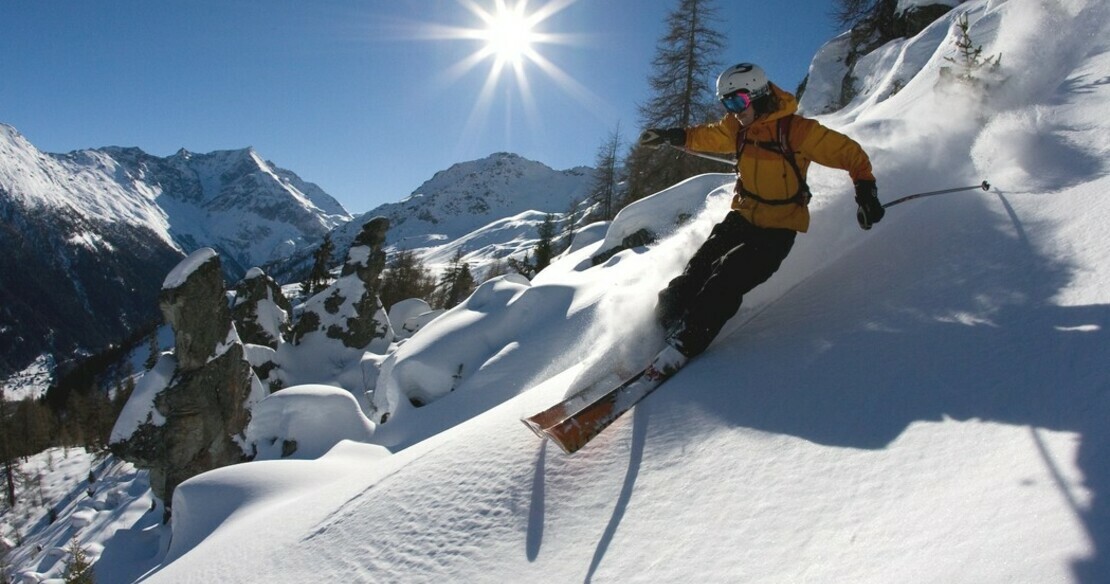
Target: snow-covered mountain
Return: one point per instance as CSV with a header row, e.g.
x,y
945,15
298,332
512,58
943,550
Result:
x,y
93,232
251,211
471,195
923,402
488,209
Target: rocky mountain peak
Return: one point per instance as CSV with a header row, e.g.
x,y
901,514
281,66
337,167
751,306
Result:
x,y
101,225
470,195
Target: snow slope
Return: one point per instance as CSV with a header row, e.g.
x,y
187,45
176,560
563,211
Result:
x,y
923,402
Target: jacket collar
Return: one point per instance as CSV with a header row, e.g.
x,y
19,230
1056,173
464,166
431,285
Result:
x,y
788,104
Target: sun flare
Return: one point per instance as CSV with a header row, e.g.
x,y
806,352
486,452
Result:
x,y
509,33
513,37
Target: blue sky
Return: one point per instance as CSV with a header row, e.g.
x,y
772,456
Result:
x,y
365,98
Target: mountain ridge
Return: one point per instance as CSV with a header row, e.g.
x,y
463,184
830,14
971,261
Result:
x,y
251,211
469,195
101,226
464,209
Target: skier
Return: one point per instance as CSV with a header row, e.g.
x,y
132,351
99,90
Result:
x,y
774,147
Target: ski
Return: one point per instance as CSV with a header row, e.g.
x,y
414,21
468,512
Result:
x,y
577,429
572,404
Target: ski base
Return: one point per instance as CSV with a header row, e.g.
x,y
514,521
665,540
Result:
x,y
570,405
535,428
578,429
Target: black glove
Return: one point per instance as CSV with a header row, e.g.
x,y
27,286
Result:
x,y
870,210
656,137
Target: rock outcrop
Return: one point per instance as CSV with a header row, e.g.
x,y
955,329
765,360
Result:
x,y
261,311
196,422
833,73
349,310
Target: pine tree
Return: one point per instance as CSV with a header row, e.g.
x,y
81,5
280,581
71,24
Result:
x,y
406,277
78,416
970,59
457,283
569,225
686,63
545,248
79,569
542,253
463,285
7,451
603,190
9,481
33,426
318,276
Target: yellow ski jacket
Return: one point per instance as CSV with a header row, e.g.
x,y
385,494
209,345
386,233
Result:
x,y
766,173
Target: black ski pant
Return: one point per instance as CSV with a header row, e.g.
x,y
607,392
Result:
x,y
737,257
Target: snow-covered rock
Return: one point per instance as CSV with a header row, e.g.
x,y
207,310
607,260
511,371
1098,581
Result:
x,y
305,421
410,316
349,311
261,311
195,421
855,64
664,213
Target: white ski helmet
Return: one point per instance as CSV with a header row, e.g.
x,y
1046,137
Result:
x,y
743,76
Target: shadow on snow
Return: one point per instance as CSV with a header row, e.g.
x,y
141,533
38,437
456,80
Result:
x,y
975,333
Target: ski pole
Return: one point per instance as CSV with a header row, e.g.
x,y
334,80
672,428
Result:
x,y
727,161
986,186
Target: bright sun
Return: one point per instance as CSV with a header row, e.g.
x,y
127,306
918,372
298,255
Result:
x,y
509,33
509,36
